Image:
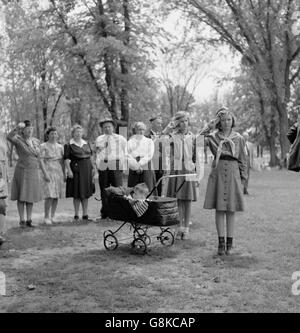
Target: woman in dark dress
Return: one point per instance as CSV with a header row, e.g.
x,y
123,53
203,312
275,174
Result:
x,y
80,172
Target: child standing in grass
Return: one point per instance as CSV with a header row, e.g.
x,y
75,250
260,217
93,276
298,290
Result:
x,y
229,171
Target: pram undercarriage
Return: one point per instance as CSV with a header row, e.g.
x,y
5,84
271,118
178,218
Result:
x,y
162,213
141,238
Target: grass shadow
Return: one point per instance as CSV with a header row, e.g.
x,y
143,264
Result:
x,y
241,261
23,239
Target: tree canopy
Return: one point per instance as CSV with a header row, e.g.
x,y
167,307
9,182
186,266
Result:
x,y
69,61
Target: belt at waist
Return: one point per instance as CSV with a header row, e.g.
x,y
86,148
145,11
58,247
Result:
x,y
81,159
227,158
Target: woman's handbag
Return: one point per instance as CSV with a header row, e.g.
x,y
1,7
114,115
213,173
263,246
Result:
x,y
293,161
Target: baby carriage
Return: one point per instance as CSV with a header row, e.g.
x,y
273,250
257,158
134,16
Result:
x,y
162,213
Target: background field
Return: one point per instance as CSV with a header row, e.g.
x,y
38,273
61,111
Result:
x,y
72,272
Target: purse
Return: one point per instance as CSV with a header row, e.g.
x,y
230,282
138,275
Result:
x,y
293,160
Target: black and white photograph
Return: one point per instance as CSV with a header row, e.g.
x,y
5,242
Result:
x,y
149,159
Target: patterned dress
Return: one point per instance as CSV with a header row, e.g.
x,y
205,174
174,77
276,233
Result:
x,y
26,183
53,154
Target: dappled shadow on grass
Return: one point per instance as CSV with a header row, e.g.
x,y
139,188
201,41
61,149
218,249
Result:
x,y
69,223
240,261
125,253
5,253
83,281
236,260
22,239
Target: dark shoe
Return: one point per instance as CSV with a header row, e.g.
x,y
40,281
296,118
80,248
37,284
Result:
x,y
246,192
22,224
2,241
76,218
29,224
228,249
86,219
221,249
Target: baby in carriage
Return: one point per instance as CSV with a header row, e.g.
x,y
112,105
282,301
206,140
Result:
x,y
136,196
138,199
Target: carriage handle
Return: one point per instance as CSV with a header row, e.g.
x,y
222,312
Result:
x,y
171,176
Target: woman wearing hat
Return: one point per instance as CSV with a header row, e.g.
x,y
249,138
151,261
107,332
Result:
x,y
52,154
80,172
229,170
183,161
140,154
26,183
111,154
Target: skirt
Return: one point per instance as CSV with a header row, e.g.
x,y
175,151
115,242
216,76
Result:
x,y
56,187
180,188
26,185
81,186
147,177
224,188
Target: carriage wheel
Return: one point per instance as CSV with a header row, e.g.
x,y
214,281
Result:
x,y
107,232
138,233
139,246
111,242
146,239
167,238
142,233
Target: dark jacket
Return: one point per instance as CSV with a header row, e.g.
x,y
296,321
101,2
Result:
x,y
292,133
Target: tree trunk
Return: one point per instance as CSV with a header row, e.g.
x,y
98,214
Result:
x,y
274,161
37,112
283,128
44,102
124,63
270,132
108,64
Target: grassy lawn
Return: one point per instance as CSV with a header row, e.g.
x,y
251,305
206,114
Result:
x,y
72,272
